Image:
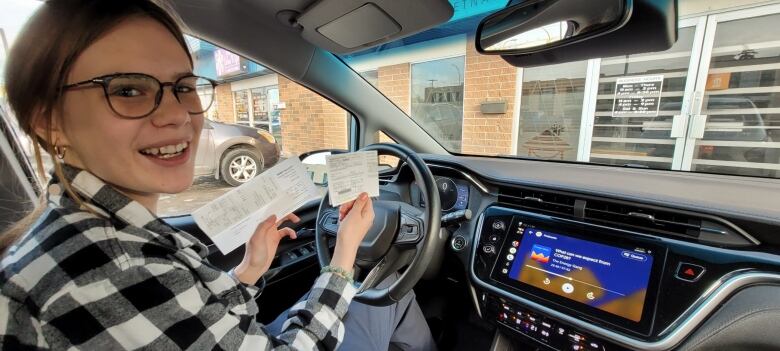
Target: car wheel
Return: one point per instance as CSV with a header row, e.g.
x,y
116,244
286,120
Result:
x,y
240,166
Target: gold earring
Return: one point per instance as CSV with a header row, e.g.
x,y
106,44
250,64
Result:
x,y
60,151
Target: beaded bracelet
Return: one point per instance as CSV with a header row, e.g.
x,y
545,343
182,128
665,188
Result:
x,y
338,271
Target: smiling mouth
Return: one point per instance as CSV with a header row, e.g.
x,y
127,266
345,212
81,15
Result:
x,y
167,151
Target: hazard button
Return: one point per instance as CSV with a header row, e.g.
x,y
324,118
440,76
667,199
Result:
x,y
689,272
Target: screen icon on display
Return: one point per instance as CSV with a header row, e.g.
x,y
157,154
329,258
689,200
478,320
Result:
x,y
540,253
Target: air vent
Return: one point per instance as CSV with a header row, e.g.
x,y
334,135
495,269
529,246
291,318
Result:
x,y
538,201
642,217
648,219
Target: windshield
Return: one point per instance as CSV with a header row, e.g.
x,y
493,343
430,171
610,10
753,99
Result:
x,y
712,102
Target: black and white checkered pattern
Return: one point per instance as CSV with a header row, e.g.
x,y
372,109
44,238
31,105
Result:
x,y
127,280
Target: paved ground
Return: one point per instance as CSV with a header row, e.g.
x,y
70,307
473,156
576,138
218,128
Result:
x,y
203,190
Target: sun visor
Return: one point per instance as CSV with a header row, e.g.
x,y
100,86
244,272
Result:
x,y
346,26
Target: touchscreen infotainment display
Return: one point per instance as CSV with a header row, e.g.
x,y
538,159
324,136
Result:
x,y
609,278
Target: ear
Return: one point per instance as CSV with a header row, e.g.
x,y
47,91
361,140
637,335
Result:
x,y
44,123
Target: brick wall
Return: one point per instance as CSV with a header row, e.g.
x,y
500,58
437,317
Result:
x,y
224,103
393,81
309,121
487,78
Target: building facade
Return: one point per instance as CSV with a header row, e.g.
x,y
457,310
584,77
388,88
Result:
x,y
715,106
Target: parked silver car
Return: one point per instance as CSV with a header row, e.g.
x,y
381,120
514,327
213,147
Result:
x,y
234,153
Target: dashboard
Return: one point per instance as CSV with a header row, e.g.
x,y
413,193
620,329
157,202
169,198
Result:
x,y
569,270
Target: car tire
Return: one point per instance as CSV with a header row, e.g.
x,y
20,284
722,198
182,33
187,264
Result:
x,y
240,165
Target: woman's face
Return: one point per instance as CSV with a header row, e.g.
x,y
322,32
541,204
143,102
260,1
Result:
x,y
110,146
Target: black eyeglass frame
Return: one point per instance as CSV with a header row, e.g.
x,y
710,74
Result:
x,y
105,80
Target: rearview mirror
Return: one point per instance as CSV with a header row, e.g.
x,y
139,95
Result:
x,y
533,25
536,37
539,32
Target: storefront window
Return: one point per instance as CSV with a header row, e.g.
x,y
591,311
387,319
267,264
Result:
x,y
551,111
642,138
437,99
742,101
241,103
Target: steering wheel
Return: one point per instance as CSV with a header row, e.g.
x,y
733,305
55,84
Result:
x,y
400,235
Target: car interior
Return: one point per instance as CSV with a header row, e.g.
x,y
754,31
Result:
x,y
510,252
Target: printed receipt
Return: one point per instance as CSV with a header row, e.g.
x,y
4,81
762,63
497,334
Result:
x,y
351,174
231,219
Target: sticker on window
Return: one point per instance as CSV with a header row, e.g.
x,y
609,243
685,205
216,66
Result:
x,y
637,96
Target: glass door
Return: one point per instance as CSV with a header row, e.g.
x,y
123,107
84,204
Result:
x,y
264,109
260,108
274,113
241,106
642,103
735,123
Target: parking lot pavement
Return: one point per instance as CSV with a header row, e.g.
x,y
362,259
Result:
x,y
203,190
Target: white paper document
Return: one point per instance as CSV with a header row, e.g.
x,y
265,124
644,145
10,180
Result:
x,y
231,219
351,174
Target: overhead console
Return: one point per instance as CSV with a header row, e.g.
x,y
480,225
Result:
x,y
570,285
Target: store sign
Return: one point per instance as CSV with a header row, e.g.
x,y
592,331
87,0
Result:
x,y
227,62
638,96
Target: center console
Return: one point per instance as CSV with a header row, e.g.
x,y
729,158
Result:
x,y
570,285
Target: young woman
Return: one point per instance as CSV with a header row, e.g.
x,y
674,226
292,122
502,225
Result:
x,y
107,87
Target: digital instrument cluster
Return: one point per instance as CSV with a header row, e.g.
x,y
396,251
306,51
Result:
x,y
453,195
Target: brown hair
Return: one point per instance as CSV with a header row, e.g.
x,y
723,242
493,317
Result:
x,y
41,59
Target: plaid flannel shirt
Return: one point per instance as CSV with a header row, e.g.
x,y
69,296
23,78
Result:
x,y
127,280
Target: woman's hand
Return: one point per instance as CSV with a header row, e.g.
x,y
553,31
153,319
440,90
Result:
x,y
261,248
356,218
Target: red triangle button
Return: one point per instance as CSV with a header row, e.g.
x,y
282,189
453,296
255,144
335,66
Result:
x,y
689,272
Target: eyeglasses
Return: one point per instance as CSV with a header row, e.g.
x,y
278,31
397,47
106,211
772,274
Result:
x,y
137,95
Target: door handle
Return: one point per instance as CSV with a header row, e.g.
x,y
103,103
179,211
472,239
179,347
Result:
x,y
678,126
698,125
